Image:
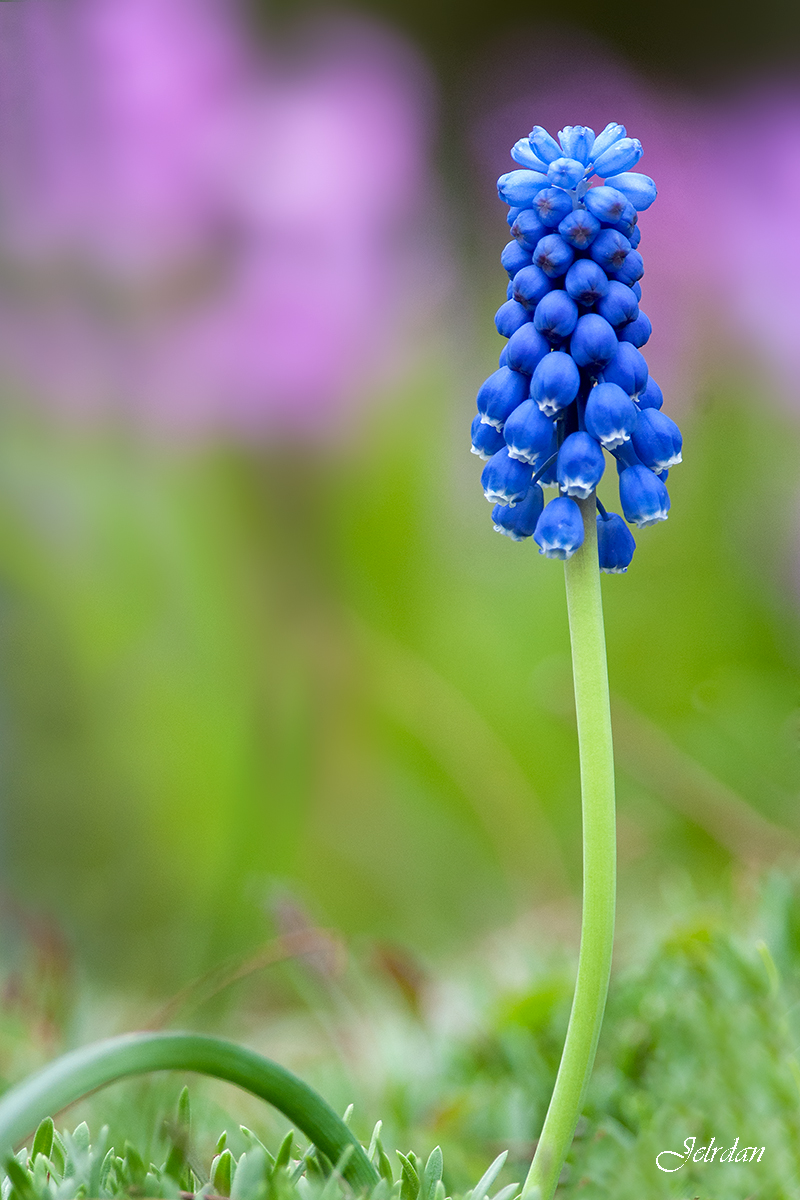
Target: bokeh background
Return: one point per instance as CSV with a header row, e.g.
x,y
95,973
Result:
x,y
265,669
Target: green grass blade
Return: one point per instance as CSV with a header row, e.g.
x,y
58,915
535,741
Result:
x,y
82,1071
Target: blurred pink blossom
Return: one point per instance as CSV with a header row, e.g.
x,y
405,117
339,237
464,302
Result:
x,y
582,83
197,233
754,231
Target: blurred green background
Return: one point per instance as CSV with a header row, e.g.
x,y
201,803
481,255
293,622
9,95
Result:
x,y
254,679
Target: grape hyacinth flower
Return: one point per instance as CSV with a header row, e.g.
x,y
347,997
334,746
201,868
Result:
x,y
573,387
575,328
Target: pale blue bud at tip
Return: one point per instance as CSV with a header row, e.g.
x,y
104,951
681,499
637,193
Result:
x,y
529,435
580,465
559,530
612,133
519,188
643,496
565,172
486,440
639,189
522,153
610,415
615,544
555,382
519,522
577,142
619,157
506,480
543,145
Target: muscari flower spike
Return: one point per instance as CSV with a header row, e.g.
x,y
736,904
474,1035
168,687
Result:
x,y
573,385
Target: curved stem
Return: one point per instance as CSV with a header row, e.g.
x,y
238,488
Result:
x,y
82,1071
599,862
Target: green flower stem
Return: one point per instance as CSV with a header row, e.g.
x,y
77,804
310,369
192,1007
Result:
x,y
590,672
82,1071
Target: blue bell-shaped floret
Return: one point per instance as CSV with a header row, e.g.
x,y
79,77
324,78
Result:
x,y
553,255
559,530
510,317
529,435
579,228
500,394
605,203
610,249
519,522
528,229
506,480
556,316
555,382
636,332
652,396
530,286
643,496
526,348
593,344
586,282
611,415
552,204
657,440
515,257
631,270
580,465
615,544
628,369
486,440
619,305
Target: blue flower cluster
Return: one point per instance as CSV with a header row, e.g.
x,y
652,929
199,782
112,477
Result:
x,y
572,381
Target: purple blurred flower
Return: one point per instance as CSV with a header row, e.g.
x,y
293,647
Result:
x,y
754,249
196,233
